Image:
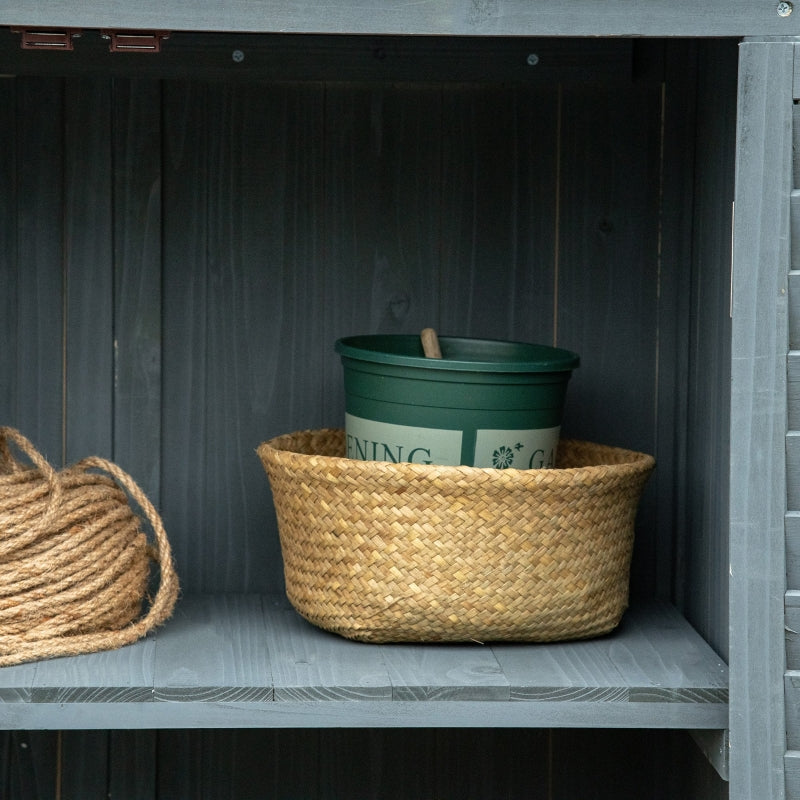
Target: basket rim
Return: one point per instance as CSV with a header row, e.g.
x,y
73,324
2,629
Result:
x,y
626,461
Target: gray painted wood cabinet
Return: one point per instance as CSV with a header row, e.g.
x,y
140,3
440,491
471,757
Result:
x,y
184,234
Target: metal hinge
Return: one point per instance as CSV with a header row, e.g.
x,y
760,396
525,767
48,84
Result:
x,y
47,38
135,41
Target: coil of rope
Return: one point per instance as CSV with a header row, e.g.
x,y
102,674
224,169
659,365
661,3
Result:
x,y
75,562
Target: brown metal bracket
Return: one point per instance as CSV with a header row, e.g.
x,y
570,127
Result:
x,y
135,41
47,38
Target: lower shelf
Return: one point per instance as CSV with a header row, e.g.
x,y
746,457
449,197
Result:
x,y
239,661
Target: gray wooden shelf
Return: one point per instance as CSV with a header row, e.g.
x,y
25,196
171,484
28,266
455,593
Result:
x,y
503,18
239,661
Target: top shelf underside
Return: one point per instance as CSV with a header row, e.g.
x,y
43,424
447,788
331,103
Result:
x,y
250,661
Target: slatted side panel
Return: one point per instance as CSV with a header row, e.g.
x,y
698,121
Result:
x,y
792,524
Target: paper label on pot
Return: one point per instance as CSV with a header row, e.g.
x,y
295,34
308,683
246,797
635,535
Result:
x,y
368,440
528,449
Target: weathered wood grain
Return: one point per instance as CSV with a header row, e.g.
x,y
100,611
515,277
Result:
x,y
132,760
311,664
124,675
214,650
259,660
8,247
39,372
381,225
792,523
607,263
498,224
445,672
758,416
135,109
793,370
88,270
501,18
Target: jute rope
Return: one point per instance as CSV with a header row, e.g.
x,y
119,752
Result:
x,y
74,561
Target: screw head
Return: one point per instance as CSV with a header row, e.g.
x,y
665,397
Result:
x,y
237,56
784,8
532,59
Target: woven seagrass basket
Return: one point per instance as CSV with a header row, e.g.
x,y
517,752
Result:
x,y
384,552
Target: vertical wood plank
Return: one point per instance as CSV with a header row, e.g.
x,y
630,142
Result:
x,y
242,764
132,765
40,230
501,764
137,338
32,765
8,248
381,223
680,122
758,417
240,325
84,765
704,564
88,269
179,764
608,277
499,162
185,192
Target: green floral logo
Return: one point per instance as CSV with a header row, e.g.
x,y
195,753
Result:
x,y
503,457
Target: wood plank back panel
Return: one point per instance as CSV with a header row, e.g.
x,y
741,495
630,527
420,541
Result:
x,y
254,224
39,374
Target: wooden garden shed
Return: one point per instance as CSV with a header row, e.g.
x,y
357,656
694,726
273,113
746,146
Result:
x,y
198,198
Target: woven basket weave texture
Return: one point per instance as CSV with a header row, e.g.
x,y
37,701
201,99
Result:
x,y
380,551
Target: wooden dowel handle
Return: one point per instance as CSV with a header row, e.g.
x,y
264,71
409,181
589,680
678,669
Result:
x,y
430,343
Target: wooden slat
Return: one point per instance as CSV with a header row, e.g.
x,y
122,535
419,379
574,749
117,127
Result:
x,y
310,664
791,767
115,676
792,692
135,111
382,212
701,564
447,672
758,416
185,197
132,765
242,269
793,470
214,650
792,629
83,764
498,219
794,307
794,221
793,378
792,523
88,268
8,246
504,18
641,664
607,277
39,373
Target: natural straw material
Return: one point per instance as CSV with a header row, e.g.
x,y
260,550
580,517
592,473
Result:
x,y
380,551
74,562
